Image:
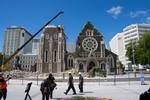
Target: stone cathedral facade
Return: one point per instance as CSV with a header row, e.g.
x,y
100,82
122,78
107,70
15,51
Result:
x,y
90,51
53,50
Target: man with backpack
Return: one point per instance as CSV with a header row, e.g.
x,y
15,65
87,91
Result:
x,y
52,84
47,87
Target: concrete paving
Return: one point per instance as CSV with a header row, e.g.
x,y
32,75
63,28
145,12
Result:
x,y
120,91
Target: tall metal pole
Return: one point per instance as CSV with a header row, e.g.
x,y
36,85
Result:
x,y
32,37
133,58
133,54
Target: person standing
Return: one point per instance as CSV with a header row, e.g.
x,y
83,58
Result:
x,y
3,87
52,84
81,82
45,89
70,85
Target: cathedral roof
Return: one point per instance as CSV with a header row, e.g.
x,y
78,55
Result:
x,y
90,26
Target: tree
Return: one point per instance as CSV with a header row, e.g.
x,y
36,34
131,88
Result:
x,y
120,67
141,50
98,71
1,58
131,52
7,66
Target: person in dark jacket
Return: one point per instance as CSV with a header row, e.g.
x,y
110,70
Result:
x,y
70,85
3,87
52,84
45,89
81,82
145,95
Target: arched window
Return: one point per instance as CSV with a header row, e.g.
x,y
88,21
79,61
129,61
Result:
x,y
70,61
55,55
46,56
80,67
103,67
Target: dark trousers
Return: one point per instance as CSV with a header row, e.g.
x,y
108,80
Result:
x,y
51,93
27,95
3,93
71,87
45,96
81,87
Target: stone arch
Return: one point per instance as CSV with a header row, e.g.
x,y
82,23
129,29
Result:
x,y
91,63
70,61
103,66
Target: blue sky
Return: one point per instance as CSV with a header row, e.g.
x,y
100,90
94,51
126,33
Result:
x,y
108,16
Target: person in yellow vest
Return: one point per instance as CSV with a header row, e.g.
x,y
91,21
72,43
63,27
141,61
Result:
x,y
3,87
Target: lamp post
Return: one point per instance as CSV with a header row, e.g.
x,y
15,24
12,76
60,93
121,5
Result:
x,y
133,58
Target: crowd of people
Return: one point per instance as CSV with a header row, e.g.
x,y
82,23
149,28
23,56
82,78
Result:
x,y
48,85
46,88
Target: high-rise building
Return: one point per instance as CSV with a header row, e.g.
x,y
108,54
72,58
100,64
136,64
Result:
x,y
15,37
35,46
117,46
120,41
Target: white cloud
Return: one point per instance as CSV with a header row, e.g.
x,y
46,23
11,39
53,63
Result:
x,y
138,13
115,11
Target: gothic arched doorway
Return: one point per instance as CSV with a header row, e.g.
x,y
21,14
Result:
x,y
90,66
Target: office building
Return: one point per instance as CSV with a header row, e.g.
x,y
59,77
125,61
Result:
x,y
120,41
15,37
28,62
35,46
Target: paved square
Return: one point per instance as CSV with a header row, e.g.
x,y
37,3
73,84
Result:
x,y
122,91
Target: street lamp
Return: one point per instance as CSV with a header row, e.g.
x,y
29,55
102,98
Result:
x,y
133,58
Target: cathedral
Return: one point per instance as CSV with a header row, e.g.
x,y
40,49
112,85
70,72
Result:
x,y
90,51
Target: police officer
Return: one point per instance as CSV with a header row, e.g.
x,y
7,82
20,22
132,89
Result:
x,y
70,85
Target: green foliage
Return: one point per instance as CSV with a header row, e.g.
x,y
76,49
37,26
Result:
x,y
97,71
77,98
120,67
83,98
131,48
141,50
1,59
7,66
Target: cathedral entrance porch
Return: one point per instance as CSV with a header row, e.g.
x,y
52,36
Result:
x,y
90,64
